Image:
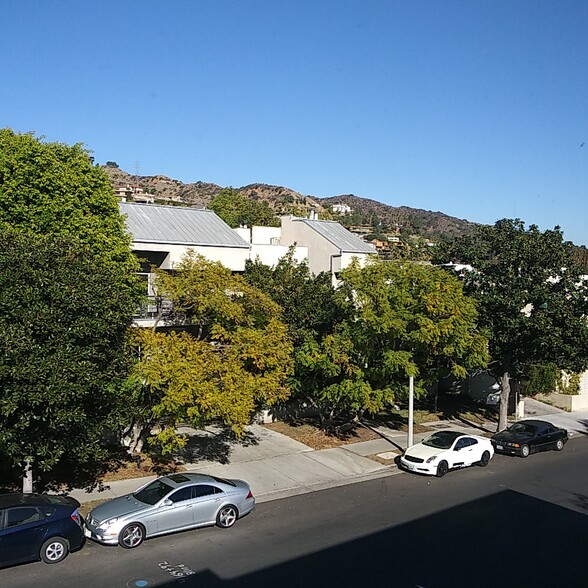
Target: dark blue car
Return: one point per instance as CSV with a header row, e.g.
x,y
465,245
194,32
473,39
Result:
x,y
38,526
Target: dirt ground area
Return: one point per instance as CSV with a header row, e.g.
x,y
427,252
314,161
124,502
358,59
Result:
x,y
317,439
143,465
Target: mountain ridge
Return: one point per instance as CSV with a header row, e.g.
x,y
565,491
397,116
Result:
x,y
283,200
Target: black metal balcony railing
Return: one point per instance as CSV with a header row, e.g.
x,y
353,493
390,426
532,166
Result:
x,y
153,307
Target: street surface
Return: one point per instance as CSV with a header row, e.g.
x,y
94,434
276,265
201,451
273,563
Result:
x,y
515,523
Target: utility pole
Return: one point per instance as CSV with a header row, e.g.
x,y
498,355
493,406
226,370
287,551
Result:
x,y
410,410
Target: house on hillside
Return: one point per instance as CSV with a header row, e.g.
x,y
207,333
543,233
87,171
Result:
x,y
341,208
134,194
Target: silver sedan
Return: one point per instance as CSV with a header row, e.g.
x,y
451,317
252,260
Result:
x,y
168,504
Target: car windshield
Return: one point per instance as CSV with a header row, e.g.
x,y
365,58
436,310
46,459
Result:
x,y
153,493
442,440
522,428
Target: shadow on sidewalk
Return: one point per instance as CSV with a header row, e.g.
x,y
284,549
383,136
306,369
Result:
x,y
213,446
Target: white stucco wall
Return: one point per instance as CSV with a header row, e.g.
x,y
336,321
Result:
x,y
271,254
232,258
266,235
320,251
323,256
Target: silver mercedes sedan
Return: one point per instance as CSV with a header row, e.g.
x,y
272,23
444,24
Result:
x,y
171,503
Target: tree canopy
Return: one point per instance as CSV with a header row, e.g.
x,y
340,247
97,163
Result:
x,y
410,320
532,297
63,324
224,353
53,188
68,290
237,210
356,346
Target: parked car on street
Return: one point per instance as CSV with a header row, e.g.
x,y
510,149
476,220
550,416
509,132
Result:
x,y
529,436
38,526
171,503
447,450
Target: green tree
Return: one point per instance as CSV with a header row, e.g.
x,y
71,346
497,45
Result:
x,y
53,188
224,354
313,313
51,192
532,298
237,210
308,302
63,322
410,320
356,346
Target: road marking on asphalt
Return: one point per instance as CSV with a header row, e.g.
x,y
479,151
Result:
x,y
139,582
176,570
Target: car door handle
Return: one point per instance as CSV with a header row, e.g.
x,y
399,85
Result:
x,y
188,506
217,499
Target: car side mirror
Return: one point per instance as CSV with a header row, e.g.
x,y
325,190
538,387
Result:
x,y
167,502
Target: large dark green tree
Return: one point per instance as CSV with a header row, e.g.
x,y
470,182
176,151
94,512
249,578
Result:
x,y
532,298
312,313
67,295
308,301
63,322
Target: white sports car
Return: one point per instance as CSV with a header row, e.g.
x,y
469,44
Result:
x,y
447,450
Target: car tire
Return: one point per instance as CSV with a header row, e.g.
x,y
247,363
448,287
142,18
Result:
x,y
442,469
54,550
227,516
131,536
485,459
559,444
525,451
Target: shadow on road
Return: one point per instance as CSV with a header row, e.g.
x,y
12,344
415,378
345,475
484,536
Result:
x,y
504,540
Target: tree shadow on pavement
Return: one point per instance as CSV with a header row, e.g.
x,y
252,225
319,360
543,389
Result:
x,y
584,423
88,476
215,446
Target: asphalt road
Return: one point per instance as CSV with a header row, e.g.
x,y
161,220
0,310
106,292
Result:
x,y
515,523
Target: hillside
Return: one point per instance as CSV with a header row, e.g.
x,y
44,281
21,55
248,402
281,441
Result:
x,y
365,212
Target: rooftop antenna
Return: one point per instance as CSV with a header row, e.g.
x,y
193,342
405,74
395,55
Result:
x,y
137,170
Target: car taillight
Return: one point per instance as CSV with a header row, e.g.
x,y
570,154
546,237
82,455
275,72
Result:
x,y
75,516
249,495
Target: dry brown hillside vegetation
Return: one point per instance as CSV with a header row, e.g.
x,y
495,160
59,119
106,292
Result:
x,y
283,200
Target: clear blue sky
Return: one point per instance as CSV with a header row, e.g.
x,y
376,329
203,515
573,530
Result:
x,y
475,108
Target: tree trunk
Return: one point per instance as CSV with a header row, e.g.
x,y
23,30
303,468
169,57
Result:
x,y
504,396
27,476
135,436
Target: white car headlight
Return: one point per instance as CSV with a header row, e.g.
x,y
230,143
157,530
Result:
x,y
431,459
105,524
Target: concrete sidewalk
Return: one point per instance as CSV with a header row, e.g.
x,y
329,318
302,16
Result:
x,y
277,466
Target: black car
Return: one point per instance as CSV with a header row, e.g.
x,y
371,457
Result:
x,y
38,526
526,437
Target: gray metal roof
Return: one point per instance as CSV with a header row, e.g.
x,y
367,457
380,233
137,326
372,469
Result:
x,y
150,223
338,235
